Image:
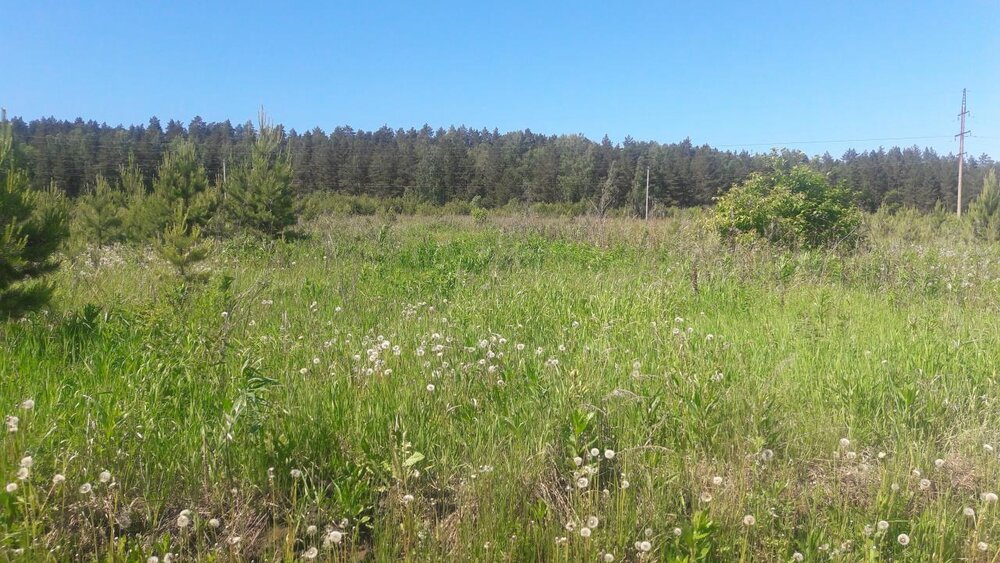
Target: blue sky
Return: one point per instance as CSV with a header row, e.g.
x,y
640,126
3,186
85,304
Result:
x,y
730,74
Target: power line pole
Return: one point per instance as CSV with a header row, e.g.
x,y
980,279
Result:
x,y
647,193
961,150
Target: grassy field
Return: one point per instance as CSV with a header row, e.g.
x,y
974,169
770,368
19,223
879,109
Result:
x,y
516,390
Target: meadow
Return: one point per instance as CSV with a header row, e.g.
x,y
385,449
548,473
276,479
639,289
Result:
x,y
511,389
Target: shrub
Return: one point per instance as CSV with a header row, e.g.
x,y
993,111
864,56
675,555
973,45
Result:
x,y
984,212
796,207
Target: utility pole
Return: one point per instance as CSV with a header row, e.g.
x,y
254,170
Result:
x,y
647,193
961,150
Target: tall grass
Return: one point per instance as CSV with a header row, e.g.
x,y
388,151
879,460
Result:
x,y
432,389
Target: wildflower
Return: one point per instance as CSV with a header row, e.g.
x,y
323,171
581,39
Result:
x,y
430,387
706,497
882,525
625,484
903,539
925,484
645,546
894,487
798,556
609,558
609,454
11,487
296,473
214,523
519,346
12,423
916,473
183,520
749,520
105,476
311,530
592,522
767,455
648,532
27,461
58,479
716,480
869,530
594,452
881,455
86,488
585,532
310,553
982,546
582,482
851,456
235,540
23,474
578,461
678,532
939,463
152,559
27,404
988,497
407,498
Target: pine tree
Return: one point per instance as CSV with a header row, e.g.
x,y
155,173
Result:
x,y
99,213
32,226
259,193
984,212
182,246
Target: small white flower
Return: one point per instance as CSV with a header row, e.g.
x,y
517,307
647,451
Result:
x,y
988,497
798,556
894,487
332,537
578,461
152,559
86,488
407,498
939,463
706,497
749,520
716,480
851,456
311,530
609,558
903,539
925,484
594,452
23,474
585,532
982,546
27,404
183,520
214,523
609,454
592,522
678,532
882,525
58,479
310,553
582,482
27,461
625,484
645,546
104,477
969,511
430,387
11,487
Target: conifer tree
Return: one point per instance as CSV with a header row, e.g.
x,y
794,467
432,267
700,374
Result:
x,y
32,226
99,213
984,212
182,246
259,193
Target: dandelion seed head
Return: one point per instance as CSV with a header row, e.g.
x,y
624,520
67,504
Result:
x,y
310,553
648,532
12,423
982,546
23,474
11,487
183,520
798,556
609,558
609,454
58,479
706,497
939,463
333,537
749,520
27,461
430,387
988,448
903,539
625,484
645,546
988,497
678,532
214,523
407,498
582,482
882,525
86,488
104,477
27,404
925,484
295,473
585,532
592,521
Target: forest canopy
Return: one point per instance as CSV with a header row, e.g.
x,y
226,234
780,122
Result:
x,y
441,165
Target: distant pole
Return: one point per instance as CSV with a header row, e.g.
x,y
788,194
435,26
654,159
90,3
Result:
x,y
3,115
647,193
961,151
223,170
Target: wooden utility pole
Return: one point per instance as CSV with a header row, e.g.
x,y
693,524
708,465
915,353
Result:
x,y
961,150
647,193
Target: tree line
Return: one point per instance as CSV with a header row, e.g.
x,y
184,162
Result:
x,y
488,167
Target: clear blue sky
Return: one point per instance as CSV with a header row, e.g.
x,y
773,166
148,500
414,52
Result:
x,y
723,73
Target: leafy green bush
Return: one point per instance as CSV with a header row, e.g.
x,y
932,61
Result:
x,y
796,207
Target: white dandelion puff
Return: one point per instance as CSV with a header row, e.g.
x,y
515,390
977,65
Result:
x,y
925,484
86,488
982,546
609,454
969,511
592,522
939,463
903,539
214,523
27,461
749,520
706,497
988,497
585,532
310,553
798,556
882,525
58,479
645,546
609,558
183,520
11,487
582,482
407,498
104,477
717,480
295,473
23,474
27,404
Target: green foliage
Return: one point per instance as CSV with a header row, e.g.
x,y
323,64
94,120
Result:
x,y
259,193
182,246
32,226
98,214
984,212
797,207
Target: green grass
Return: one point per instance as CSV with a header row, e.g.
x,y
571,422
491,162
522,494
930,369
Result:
x,y
542,339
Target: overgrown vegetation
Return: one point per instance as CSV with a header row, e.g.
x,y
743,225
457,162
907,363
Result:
x,y
431,389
